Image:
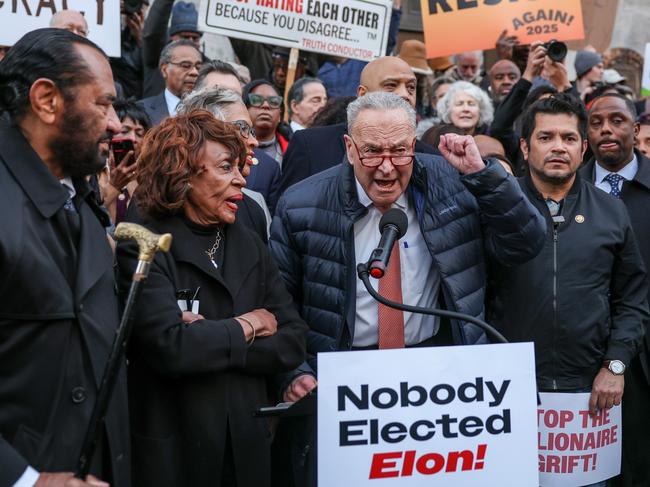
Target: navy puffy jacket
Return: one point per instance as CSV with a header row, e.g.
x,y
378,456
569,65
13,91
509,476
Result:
x,y
461,218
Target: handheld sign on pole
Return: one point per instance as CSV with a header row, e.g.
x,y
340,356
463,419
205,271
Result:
x,y
576,448
355,29
443,416
17,18
291,76
452,27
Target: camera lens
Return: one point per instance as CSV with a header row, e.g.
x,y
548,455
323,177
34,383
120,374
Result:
x,y
556,50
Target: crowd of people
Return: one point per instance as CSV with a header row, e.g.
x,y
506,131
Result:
x,y
524,192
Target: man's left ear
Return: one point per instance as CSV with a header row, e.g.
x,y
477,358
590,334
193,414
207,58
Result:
x,y
46,100
348,146
585,144
637,128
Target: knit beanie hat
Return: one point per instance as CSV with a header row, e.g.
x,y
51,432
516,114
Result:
x,y
185,18
585,60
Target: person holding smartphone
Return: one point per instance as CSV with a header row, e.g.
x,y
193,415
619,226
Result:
x,y
120,184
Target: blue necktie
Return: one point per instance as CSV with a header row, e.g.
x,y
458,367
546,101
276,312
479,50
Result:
x,y
613,179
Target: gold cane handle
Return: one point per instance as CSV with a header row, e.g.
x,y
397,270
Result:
x,y
148,242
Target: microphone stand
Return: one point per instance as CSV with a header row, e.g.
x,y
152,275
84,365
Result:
x,y
364,275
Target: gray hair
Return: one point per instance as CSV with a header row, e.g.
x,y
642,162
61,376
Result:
x,y
214,100
297,91
486,109
478,54
168,50
381,101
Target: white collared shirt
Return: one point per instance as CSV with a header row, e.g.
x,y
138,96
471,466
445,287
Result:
x,y
28,478
67,184
420,280
295,126
628,172
172,102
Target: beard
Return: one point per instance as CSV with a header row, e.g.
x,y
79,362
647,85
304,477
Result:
x,y
76,149
555,180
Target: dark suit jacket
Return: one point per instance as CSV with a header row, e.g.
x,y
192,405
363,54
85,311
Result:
x,y
636,196
156,108
190,384
265,178
58,317
314,150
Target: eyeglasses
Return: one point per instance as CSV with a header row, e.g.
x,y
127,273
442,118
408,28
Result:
x,y
244,129
187,65
378,159
258,100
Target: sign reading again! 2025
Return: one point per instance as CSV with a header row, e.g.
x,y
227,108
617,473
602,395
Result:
x,y
455,26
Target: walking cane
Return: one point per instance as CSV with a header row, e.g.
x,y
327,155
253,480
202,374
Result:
x,y
148,244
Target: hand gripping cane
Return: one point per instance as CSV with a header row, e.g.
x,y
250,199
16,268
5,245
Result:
x,y
148,244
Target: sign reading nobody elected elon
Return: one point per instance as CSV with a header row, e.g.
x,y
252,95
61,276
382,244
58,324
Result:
x,y
356,29
443,416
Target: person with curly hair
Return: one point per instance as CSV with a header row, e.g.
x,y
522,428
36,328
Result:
x,y
215,321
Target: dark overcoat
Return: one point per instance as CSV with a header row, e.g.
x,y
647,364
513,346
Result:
x,y
635,467
192,384
58,315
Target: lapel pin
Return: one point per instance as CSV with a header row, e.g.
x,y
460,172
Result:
x,y
580,219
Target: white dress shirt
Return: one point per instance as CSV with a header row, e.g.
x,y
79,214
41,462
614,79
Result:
x,y
420,280
628,172
28,478
295,126
172,102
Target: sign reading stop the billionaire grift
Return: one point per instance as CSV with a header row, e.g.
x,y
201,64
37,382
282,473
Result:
x,y
459,416
455,26
355,29
576,448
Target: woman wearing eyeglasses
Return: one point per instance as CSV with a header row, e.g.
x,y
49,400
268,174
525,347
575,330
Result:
x,y
214,322
265,107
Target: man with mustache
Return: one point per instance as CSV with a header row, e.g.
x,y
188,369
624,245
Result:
x,y
623,172
583,299
59,309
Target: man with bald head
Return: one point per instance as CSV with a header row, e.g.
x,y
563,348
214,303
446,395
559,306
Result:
x,y
70,20
503,76
314,150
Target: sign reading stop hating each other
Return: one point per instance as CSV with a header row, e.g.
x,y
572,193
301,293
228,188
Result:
x,y
455,26
576,448
355,29
442,416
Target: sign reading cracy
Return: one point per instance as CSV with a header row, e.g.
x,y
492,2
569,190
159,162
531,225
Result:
x,y
455,26
443,416
576,448
18,17
356,29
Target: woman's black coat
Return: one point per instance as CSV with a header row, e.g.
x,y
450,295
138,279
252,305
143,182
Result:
x,y
189,383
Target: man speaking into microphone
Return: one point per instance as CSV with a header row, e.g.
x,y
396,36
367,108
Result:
x,y
460,211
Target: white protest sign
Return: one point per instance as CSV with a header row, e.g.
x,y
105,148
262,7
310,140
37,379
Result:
x,y
442,416
576,448
18,17
352,28
645,79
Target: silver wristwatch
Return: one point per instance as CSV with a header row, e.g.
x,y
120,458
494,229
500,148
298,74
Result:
x,y
616,367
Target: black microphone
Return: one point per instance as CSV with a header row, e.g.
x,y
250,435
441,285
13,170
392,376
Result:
x,y
393,225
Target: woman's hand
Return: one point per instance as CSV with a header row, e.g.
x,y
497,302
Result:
x,y
299,387
261,320
189,317
124,172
